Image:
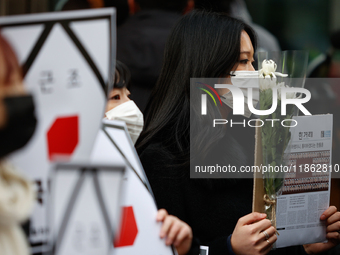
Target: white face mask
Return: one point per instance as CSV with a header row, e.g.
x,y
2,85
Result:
x,y
131,115
244,80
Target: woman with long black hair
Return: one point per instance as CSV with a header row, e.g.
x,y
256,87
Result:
x,y
204,44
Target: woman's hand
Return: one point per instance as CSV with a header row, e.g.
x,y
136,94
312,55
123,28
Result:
x,y
332,218
253,234
177,232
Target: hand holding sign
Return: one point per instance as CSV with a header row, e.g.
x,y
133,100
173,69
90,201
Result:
x,y
332,217
176,232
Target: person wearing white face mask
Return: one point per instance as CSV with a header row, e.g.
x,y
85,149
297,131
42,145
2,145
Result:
x,y
244,76
120,106
244,80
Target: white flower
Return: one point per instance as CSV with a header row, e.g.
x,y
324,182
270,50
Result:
x,y
267,83
269,68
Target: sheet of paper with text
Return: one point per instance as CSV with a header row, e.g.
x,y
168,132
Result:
x,y
306,190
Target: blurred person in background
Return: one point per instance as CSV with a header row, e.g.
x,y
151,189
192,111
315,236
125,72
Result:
x,y
122,7
67,5
17,125
238,9
120,106
141,41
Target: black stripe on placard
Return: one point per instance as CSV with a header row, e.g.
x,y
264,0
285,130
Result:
x,y
38,244
125,158
54,21
115,126
81,48
37,47
65,24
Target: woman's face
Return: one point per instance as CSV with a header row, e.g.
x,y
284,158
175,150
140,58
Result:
x,y
117,97
246,54
245,61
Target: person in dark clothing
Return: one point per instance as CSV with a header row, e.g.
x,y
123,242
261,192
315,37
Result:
x,y
238,9
122,8
75,5
205,44
141,40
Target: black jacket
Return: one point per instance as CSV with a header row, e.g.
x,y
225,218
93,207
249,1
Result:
x,y
211,207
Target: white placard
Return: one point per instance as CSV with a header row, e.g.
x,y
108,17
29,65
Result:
x,y
83,207
67,61
138,206
114,130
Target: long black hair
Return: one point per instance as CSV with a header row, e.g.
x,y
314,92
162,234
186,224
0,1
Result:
x,y
202,44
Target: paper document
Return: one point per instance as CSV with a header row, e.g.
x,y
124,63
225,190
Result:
x,y
306,190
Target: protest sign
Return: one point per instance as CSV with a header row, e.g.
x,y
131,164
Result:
x,y
67,60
